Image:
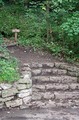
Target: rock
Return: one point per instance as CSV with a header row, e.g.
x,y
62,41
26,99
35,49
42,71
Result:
x,y
1,105
25,106
0,93
38,104
36,65
25,69
9,92
21,86
5,86
36,72
26,65
27,99
40,87
63,79
74,86
77,102
57,87
46,71
35,90
37,96
25,93
22,95
28,86
26,74
72,68
67,67
59,71
60,104
8,98
51,104
50,65
76,74
1,100
25,81
14,103
40,79
0,88
48,95
66,95
59,64
65,104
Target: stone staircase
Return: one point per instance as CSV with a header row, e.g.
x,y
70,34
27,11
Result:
x,y
55,85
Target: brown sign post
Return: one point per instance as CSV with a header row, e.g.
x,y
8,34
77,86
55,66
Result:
x,y
16,31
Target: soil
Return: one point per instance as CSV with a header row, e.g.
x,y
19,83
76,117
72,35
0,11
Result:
x,y
40,114
28,55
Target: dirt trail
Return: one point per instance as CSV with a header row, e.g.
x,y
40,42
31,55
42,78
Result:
x,y
29,56
40,114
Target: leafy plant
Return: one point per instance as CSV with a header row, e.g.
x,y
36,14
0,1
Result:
x,y
1,3
8,71
8,66
70,30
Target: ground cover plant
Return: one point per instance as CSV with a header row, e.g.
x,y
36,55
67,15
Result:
x,y
8,66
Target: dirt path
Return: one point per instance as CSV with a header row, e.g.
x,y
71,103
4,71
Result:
x,y
40,114
29,56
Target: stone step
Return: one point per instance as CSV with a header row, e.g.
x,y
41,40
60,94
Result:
x,y
60,96
54,79
67,95
55,104
42,65
55,87
60,65
56,95
49,71
62,87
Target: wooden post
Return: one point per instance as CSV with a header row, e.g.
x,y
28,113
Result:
x,y
16,36
16,31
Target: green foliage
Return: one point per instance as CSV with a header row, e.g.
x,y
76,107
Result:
x,y
70,29
54,48
1,3
8,71
58,50
1,40
55,20
31,27
8,66
34,30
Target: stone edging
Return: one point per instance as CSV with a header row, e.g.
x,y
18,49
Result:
x,y
19,93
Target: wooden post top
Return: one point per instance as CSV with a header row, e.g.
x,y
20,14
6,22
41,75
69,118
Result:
x,y
16,30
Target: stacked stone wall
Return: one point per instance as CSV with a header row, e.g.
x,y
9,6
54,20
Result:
x,y
18,93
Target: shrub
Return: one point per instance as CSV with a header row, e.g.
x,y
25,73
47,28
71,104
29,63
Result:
x,y
8,66
70,33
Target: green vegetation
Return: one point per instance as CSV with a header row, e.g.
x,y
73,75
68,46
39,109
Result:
x,y
49,24
8,66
